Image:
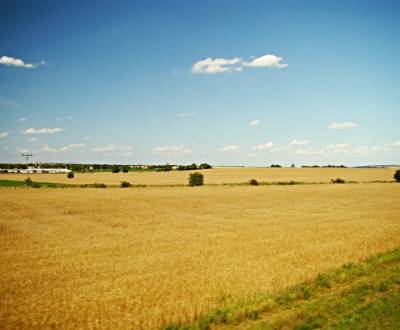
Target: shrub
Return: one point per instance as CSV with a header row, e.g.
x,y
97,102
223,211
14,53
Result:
x,y
28,181
70,175
253,182
36,185
125,184
99,185
276,165
397,176
115,169
338,180
125,170
196,179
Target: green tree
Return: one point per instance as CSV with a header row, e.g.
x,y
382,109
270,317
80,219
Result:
x,y
397,176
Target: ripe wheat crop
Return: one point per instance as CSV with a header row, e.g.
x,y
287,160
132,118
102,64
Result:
x,y
142,258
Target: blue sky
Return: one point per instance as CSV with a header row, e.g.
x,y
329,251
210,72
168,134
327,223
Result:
x,y
225,82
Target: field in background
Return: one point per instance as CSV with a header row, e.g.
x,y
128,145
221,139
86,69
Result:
x,y
218,176
122,258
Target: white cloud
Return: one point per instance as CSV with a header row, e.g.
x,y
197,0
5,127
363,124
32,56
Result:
x,y
33,139
393,144
344,125
87,138
22,120
255,122
3,135
12,61
266,146
266,61
296,142
230,148
216,65
171,150
70,117
220,65
22,151
42,131
58,119
72,146
187,114
47,148
115,149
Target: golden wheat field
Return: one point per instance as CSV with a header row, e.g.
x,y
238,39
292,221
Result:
x,y
139,258
218,176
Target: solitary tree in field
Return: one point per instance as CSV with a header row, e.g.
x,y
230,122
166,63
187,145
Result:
x,y
70,175
397,176
196,179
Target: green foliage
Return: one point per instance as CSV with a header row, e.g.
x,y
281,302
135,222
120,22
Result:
x,y
99,185
125,184
338,180
28,181
125,169
70,175
205,166
115,169
196,179
397,176
187,167
253,182
276,165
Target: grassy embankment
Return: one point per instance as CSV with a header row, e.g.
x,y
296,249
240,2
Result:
x,y
356,296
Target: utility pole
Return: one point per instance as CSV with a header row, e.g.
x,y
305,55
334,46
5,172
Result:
x,y
27,158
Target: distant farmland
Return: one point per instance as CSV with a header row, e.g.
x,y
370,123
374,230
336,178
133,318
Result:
x,y
219,176
142,258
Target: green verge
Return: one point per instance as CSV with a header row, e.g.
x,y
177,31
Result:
x,y
356,296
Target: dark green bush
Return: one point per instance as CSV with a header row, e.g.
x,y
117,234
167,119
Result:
x,y
70,175
125,170
253,182
99,185
28,181
125,184
115,169
338,180
397,176
205,166
196,179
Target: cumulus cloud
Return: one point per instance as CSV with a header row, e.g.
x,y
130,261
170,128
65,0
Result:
x,y
393,144
187,114
72,146
344,125
296,142
230,148
221,65
266,61
216,65
42,131
171,150
69,147
12,61
265,146
3,135
115,149
255,122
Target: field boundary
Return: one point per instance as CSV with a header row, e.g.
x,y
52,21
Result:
x,y
39,184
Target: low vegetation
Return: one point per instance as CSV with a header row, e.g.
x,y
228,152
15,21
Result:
x,y
397,176
196,179
338,180
358,295
253,182
125,184
70,175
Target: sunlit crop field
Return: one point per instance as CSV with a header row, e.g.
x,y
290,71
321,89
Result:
x,y
138,258
218,176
